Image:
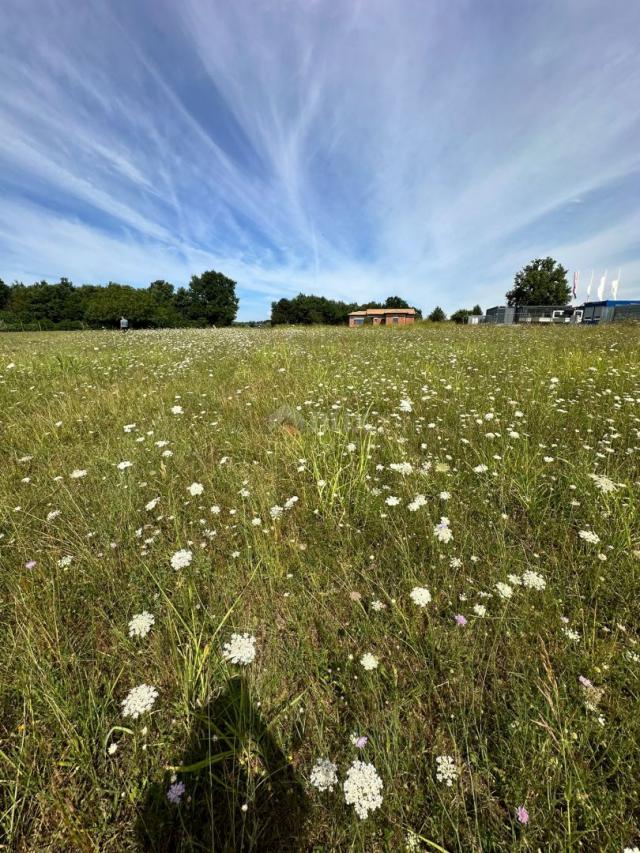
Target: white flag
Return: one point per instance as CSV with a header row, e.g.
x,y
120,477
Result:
x,y
615,284
589,286
602,285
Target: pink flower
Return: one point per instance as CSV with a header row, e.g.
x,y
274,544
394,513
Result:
x,y
522,814
361,742
31,564
585,681
460,620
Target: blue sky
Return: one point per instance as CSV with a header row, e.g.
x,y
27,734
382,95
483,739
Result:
x,y
350,148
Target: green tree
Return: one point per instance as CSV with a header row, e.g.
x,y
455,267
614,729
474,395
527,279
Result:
x,y
213,298
437,315
460,315
476,311
161,291
395,302
5,295
542,282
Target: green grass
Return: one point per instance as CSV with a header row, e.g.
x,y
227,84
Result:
x,y
315,414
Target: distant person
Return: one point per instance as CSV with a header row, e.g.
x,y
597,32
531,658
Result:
x,y
124,324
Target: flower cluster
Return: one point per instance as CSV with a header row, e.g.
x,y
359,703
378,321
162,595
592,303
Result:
x,y
324,775
139,701
363,788
241,649
141,624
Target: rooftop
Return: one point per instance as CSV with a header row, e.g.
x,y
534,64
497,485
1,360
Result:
x,y
370,311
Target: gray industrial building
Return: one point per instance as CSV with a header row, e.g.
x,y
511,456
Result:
x,y
605,311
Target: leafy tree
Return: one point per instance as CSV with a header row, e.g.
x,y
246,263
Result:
x,y
5,295
542,282
213,298
460,315
437,315
476,311
161,291
395,302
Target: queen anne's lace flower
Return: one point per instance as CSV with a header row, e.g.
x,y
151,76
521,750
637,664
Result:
x,y
446,770
604,483
369,661
181,559
324,775
195,489
420,595
589,536
139,700
504,590
533,580
417,502
141,624
241,649
363,788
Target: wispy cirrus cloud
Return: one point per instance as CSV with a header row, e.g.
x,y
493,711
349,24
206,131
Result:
x,y
353,149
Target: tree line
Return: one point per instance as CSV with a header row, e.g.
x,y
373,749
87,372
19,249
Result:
x,y
210,299
311,310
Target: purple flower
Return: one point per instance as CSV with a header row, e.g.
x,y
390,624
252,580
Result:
x,y
460,620
361,741
176,792
31,564
585,681
522,814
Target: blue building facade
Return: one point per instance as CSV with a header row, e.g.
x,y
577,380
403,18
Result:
x,y
607,310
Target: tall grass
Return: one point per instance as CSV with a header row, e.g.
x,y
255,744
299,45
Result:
x,y
317,415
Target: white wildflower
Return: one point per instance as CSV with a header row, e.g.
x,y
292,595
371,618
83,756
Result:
x,y
363,788
195,489
480,610
589,536
369,661
181,559
241,649
533,580
446,770
324,775
504,590
420,595
417,502
78,473
139,700
141,624
403,468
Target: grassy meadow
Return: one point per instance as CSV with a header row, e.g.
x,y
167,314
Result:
x,y
430,537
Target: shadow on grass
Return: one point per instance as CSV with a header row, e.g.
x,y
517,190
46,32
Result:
x,y
232,762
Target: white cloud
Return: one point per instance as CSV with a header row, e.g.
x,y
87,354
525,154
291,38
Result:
x,y
354,150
